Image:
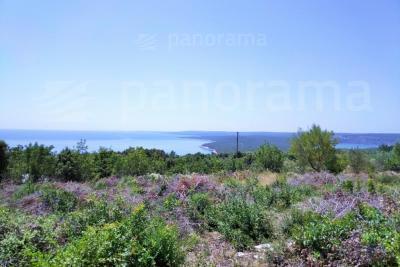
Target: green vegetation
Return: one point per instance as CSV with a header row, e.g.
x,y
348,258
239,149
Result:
x,y
269,157
243,223
134,241
313,206
58,200
3,158
315,148
357,161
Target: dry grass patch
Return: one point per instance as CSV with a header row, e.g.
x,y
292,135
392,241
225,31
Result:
x,y
267,178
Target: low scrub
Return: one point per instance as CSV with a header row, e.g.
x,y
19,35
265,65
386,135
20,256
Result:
x,y
58,200
324,235
135,241
241,222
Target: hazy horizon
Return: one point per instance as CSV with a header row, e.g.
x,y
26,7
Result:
x,y
189,131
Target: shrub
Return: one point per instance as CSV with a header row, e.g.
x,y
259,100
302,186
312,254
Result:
x,y
132,184
394,159
241,222
292,219
135,241
323,234
389,179
269,157
198,204
58,200
358,185
26,189
371,187
6,223
21,236
379,231
348,186
95,212
315,148
337,163
283,195
171,202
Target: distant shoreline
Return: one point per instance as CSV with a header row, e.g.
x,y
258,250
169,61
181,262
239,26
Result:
x,y
183,142
213,151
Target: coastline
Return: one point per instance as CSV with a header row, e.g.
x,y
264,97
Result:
x,y
212,150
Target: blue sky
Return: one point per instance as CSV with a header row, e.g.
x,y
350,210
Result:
x,y
200,65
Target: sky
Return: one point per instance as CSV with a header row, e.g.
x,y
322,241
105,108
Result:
x,y
225,65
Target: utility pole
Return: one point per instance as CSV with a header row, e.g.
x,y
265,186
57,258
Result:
x,y
237,143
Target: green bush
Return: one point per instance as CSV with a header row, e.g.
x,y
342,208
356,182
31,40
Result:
x,y
241,222
22,236
381,231
269,157
337,163
136,241
95,212
357,160
26,189
389,179
293,219
132,184
58,200
199,203
171,202
348,186
394,160
283,195
371,186
323,234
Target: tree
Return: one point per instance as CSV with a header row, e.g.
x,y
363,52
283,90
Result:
x,y
269,157
133,161
357,160
40,161
315,148
3,157
394,160
81,146
68,165
104,161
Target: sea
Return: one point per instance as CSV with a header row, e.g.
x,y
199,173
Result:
x,y
181,143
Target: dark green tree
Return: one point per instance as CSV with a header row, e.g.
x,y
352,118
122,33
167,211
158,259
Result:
x,y
3,158
104,162
68,165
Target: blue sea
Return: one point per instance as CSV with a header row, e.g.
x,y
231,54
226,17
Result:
x,y
180,142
